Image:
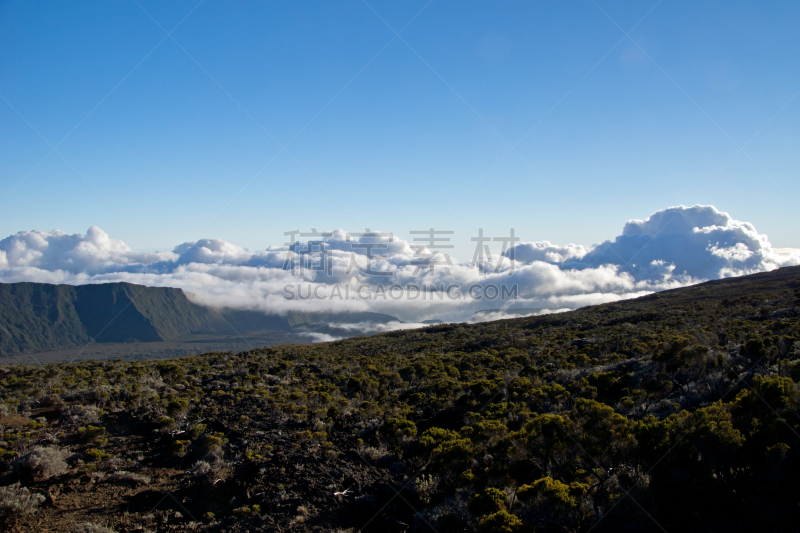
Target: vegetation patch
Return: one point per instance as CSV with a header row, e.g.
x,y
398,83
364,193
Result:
x,y
675,411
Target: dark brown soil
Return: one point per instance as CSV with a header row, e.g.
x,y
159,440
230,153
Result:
x,y
299,486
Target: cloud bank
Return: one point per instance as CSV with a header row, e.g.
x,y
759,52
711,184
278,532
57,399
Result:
x,y
672,248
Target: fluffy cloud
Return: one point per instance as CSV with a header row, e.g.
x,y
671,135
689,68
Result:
x,y
528,252
672,248
698,242
57,250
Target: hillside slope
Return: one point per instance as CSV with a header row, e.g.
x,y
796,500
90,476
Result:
x,y
673,412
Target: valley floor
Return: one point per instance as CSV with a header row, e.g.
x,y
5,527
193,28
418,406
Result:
x,y
140,351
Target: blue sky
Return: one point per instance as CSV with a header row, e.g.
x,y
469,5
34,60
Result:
x,y
396,133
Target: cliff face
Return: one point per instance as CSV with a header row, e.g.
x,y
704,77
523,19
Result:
x,y
38,316
118,312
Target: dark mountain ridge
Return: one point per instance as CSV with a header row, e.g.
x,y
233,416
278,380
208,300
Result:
x,y
36,317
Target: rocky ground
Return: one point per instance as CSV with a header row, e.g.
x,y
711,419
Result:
x,y
676,411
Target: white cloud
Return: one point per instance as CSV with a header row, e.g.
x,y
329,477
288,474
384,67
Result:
x,y
698,242
672,248
56,250
210,251
489,316
528,252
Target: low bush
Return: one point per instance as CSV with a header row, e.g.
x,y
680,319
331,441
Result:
x,y
90,433
43,463
129,477
95,455
18,500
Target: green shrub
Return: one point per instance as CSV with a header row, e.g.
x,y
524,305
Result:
x,y
165,422
197,431
179,447
555,491
491,500
90,433
177,407
303,435
95,455
500,522
399,427
213,442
